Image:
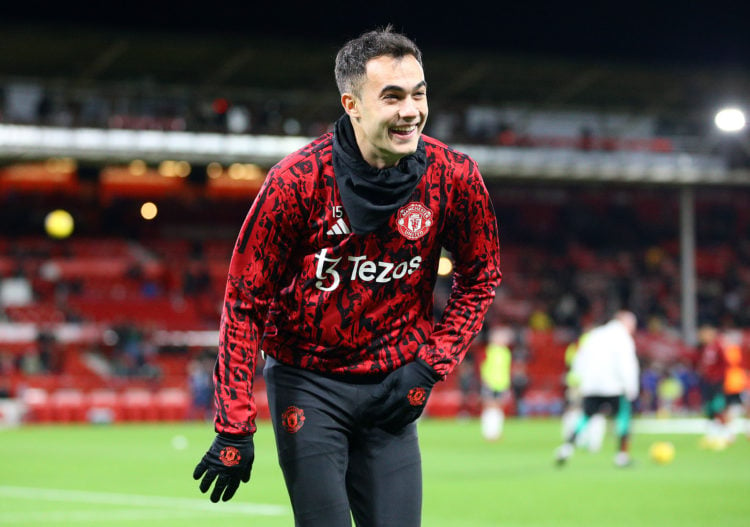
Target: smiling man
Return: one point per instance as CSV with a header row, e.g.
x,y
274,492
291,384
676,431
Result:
x,y
332,276
388,110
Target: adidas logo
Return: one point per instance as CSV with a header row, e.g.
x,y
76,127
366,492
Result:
x,y
340,227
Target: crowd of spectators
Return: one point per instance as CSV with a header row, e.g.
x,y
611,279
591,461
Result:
x,y
263,113
571,254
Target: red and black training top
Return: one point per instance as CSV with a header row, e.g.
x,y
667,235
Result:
x,y
312,294
712,363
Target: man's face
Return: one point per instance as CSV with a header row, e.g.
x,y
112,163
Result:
x,y
390,110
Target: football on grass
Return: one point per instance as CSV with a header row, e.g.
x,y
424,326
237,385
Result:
x,y
662,452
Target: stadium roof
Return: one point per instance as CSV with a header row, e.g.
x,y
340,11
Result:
x,y
230,60
571,63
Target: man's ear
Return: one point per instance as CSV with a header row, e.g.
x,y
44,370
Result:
x,y
349,102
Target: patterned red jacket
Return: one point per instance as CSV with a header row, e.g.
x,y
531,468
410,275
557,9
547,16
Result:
x,y
314,295
712,363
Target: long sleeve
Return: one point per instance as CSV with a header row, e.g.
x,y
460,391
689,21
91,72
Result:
x,y
473,241
257,264
606,362
322,298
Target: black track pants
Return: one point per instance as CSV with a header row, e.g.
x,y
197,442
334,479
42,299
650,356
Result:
x,y
333,465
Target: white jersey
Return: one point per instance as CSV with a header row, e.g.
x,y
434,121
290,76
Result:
x,y
606,363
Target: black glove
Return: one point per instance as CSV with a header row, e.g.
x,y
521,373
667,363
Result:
x,y
231,459
403,395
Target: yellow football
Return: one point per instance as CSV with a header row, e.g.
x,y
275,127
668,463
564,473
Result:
x,y
661,452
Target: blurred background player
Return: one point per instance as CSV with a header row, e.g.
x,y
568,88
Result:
x,y
494,372
607,368
712,367
592,436
735,388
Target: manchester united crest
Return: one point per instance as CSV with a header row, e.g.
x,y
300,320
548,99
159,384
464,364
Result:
x,y
292,419
417,396
414,220
230,456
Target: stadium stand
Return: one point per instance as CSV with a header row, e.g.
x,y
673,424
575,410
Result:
x,y
105,325
113,304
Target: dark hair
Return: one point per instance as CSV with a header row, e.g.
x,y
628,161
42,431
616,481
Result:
x,y
352,58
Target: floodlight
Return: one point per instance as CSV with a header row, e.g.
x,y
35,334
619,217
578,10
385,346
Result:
x,y
730,120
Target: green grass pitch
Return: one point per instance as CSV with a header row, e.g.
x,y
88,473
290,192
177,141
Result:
x,y
127,475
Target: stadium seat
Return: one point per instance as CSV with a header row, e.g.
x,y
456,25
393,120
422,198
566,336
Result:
x,y
261,404
173,404
68,405
137,404
36,405
103,406
444,403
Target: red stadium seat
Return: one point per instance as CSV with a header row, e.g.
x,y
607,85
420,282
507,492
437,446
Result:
x,y
444,403
68,405
261,404
173,404
37,405
103,405
137,404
